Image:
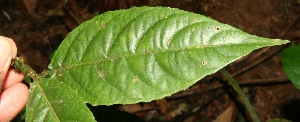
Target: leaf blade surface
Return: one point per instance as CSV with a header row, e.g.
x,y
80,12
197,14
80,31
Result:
x,y
146,53
291,64
52,101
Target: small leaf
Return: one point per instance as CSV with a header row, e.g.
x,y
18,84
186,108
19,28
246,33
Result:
x,y
146,53
291,64
53,101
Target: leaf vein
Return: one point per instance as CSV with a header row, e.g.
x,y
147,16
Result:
x,y
46,100
62,68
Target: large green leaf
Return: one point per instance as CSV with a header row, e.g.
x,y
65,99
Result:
x,y
146,53
134,55
291,64
53,101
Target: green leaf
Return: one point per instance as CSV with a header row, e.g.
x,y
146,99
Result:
x,y
291,64
53,101
146,53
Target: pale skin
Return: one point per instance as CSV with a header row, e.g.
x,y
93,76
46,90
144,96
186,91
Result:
x,y
14,93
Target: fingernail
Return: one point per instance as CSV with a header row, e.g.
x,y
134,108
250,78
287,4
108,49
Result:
x,y
5,58
13,47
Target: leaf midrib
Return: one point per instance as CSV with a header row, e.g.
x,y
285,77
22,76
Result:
x,y
73,66
47,101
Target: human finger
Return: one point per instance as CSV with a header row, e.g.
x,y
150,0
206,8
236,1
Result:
x,y
12,78
12,101
5,58
13,46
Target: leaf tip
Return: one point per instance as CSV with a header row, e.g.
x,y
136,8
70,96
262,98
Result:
x,y
280,41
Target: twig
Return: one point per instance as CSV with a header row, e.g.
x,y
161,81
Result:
x,y
246,83
268,81
256,60
187,93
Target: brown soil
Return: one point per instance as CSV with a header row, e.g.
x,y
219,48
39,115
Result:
x,y
39,26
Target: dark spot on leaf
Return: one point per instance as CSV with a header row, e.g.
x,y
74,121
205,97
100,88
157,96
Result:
x,y
169,41
217,28
102,74
203,63
136,80
145,50
60,74
193,29
196,19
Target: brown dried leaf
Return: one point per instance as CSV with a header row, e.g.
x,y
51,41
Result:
x,y
226,116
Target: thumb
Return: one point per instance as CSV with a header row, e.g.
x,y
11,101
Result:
x,y
6,54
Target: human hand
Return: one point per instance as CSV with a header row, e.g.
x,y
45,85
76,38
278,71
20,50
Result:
x,y
13,93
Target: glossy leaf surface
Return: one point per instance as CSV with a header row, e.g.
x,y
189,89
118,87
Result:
x,y
146,53
291,64
138,55
53,101
134,55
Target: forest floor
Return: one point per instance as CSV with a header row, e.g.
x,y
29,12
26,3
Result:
x,y
39,26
